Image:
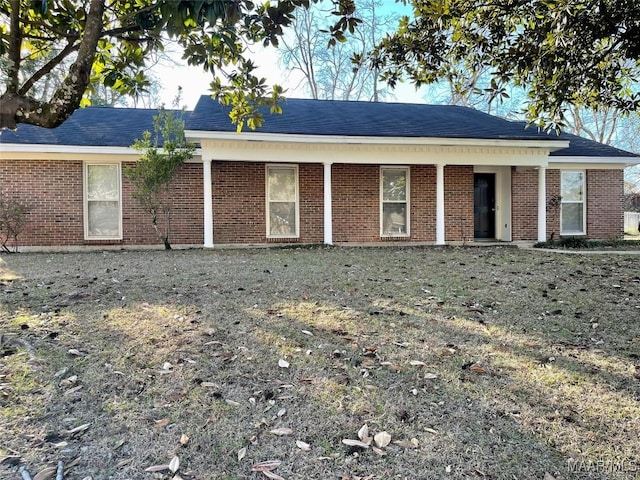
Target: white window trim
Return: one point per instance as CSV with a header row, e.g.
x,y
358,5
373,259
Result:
x,y
583,202
267,200
407,169
85,201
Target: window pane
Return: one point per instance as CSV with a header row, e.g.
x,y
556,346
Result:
x,y
394,218
102,182
394,185
282,184
572,218
282,218
103,219
572,186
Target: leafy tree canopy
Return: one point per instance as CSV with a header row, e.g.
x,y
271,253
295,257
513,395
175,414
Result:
x,y
110,42
563,52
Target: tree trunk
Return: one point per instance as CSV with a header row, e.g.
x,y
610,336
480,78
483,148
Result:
x,y
20,108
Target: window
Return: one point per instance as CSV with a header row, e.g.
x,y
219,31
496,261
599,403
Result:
x,y
102,202
282,201
572,210
394,200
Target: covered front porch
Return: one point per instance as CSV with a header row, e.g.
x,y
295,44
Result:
x,y
460,189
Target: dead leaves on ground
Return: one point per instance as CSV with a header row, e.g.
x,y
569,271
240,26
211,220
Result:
x,y
378,442
267,469
173,466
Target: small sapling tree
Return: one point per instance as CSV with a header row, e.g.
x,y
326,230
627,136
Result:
x,y
13,217
161,154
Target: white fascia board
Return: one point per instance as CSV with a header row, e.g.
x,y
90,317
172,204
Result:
x,y
72,152
589,162
198,135
45,148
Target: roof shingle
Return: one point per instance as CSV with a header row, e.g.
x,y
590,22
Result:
x,y
120,127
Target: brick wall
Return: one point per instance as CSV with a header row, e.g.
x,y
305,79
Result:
x,y
423,200
52,192
239,203
605,199
553,211
524,204
605,217
187,211
458,200
356,203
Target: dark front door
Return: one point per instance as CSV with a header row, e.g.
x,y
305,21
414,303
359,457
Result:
x,y
484,206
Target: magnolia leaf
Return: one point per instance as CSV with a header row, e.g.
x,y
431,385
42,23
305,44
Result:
x,y
157,468
382,439
355,443
379,451
79,429
75,352
272,475
413,443
307,332
163,422
431,430
281,412
231,402
478,369
242,453
363,433
417,363
67,382
45,474
73,390
303,446
430,376
266,466
174,464
281,431
282,363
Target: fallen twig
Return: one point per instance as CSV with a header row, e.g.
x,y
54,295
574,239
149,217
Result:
x,y
60,471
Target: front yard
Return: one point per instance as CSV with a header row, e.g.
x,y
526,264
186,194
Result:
x,y
462,363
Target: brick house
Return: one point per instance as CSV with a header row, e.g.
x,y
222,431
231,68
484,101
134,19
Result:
x,y
322,172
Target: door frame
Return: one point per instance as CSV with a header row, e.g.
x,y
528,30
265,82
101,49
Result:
x,y
502,199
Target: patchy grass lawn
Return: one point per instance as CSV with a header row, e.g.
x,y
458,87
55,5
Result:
x,y
477,362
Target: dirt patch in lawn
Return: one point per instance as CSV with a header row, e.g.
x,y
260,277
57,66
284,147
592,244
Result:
x,y
461,362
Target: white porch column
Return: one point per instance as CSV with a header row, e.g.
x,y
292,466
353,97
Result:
x,y
542,204
328,211
207,194
440,227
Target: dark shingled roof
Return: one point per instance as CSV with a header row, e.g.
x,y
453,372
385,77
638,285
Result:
x,y
369,119
88,127
120,127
